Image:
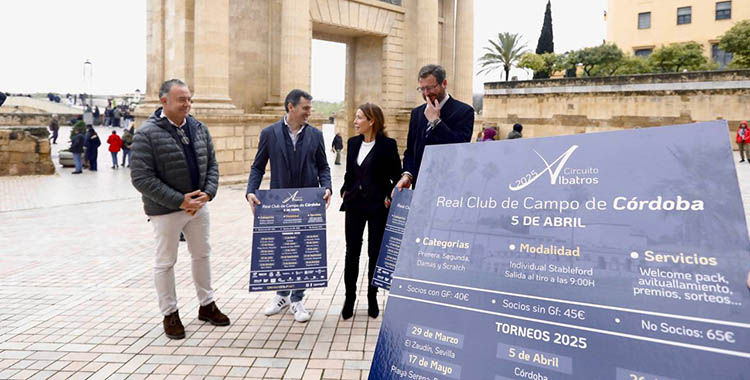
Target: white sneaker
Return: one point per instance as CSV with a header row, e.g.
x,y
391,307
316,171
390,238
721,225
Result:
x,y
277,304
300,314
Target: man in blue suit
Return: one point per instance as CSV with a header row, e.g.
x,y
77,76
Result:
x,y
441,120
298,159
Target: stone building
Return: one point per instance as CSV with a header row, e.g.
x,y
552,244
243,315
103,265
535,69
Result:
x,y
638,27
240,58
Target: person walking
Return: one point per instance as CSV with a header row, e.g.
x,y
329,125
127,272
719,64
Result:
x,y
76,147
337,146
516,132
743,139
92,148
298,159
54,127
115,143
127,140
373,167
441,120
177,199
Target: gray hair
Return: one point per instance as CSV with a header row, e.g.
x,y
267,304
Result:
x,y
435,70
166,86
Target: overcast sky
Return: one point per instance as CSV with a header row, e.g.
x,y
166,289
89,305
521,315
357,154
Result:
x,y
46,42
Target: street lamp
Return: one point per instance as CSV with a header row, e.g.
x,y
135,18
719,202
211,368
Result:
x,y
88,74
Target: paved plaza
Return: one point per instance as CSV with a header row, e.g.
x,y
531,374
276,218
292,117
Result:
x,y
78,299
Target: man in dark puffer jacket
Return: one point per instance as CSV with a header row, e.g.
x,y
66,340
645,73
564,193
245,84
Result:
x,y
173,166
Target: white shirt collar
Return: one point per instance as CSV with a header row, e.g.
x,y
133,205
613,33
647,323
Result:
x,y
184,121
442,102
289,129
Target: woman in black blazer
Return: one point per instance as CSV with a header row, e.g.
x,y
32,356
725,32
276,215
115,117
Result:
x,y
373,167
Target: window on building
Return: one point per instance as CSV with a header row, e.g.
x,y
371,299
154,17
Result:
x,y
684,15
723,10
643,52
644,20
720,56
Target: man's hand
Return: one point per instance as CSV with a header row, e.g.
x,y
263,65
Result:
x,y
327,197
404,182
190,203
432,111
253,200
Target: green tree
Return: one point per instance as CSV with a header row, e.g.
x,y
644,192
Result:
x,y
737,41
544,63
546,43
634,65
602,60
679,56
503,54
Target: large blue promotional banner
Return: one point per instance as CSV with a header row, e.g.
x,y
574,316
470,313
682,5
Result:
x,y
289,240
619,255
394,231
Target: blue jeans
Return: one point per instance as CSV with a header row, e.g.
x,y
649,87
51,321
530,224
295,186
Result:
x,y
125,155
77,160
114,159
297,294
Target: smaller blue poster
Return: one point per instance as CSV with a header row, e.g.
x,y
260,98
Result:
x,y
394,231
289,240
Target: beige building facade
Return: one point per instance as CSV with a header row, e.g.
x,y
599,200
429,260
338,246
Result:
x,y
240,58
639,26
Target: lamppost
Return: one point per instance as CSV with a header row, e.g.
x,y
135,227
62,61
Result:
x,y
88,75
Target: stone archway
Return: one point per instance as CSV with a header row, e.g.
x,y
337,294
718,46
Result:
x,y
242,57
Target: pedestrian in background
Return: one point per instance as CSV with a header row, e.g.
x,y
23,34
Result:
x,y
115,143
97,116
127,140
488,134
76,147
516,132
54,127
92,148
338,145
743,139
116,115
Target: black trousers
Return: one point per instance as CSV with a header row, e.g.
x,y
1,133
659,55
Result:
x,y
358,214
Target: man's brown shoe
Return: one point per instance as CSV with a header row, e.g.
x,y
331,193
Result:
x,y
210,313
173,328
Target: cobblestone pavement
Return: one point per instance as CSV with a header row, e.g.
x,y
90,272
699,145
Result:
x,y
78,299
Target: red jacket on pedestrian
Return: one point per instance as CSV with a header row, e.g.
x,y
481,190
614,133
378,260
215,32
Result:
x,y
115,143
740,138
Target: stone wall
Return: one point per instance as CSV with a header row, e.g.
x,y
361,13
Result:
x,y
580,105
32,118
25,151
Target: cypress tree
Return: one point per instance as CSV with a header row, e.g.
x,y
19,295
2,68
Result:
x,y
546,43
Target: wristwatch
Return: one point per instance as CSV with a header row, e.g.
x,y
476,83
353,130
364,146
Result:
x,y
435,122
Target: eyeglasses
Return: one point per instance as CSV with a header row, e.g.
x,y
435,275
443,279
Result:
x,y
427,88
185,140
